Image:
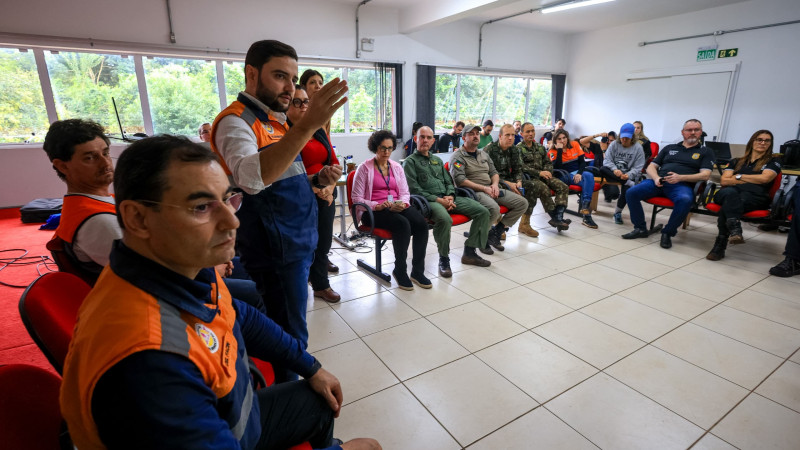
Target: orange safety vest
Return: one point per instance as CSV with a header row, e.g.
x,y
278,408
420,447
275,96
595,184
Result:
x,y
77,209
267,133
568,155
117,319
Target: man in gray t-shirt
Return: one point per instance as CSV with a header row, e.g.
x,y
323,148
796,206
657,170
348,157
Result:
x,y
623,163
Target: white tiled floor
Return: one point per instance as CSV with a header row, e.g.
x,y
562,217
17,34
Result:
x,y
572,340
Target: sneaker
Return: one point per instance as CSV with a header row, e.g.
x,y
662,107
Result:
x,y
588,222
636,233
403,282
789,267
618,219
475,260
421,280
444,267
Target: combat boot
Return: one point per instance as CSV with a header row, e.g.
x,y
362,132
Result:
x,y
525,226
557,218
735,228
718,250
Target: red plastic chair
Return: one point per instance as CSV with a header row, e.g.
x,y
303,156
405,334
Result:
x,y
49,310
662,203
380,235
759,215
30,416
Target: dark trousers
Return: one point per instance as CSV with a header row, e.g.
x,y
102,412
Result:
x,y
735,202
285,293
319,268
793,240
403,226
292,413
608,174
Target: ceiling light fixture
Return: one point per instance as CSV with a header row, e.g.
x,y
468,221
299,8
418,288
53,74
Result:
x,y
575,4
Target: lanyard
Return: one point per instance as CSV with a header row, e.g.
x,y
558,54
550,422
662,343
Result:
x,y
388,177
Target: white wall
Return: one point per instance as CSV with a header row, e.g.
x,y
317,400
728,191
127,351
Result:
x,y
314,28
767,95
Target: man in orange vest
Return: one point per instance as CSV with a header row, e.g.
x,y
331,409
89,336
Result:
x,y
159,356
260,150
80,155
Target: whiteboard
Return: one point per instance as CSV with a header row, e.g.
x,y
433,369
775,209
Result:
x,y
672,96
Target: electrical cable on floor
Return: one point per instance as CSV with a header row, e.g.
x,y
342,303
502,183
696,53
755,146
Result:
x,y
25,260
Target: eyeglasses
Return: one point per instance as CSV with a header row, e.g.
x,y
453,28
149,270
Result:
x,y
297,103
763,141
202,211
385,149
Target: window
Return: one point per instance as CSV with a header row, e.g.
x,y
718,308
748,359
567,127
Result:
x,y
328,74
234,80
473,98
446,100
23,117
182,92
84,84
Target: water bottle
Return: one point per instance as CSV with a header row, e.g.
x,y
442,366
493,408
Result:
x,y
450,147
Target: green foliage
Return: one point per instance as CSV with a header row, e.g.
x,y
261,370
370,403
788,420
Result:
x,y
234,80
475,99
183,94
84,84
22,113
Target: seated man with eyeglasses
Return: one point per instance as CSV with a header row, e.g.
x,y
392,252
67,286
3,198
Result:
x,y
672,174
159,357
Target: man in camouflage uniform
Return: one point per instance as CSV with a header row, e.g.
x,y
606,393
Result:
x,y
507,162
538,166
427,177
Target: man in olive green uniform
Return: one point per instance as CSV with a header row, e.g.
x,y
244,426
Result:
x,y
538,166
426,176
507,161
474,169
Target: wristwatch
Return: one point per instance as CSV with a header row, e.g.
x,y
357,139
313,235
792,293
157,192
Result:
x,y
738,176
315,182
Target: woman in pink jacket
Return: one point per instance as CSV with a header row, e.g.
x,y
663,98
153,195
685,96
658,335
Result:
x,y
381,183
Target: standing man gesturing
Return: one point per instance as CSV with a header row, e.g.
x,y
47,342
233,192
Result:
x,y
277,237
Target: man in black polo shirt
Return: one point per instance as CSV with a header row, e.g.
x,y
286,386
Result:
x,y
672,174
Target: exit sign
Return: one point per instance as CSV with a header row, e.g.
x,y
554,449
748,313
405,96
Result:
x,y
728,53
708,54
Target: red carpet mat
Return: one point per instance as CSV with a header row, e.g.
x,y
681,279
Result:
x,y
16,346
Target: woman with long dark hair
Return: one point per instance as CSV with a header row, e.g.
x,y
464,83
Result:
x,y
745,187
318,153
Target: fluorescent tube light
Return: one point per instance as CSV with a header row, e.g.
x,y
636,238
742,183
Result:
x,y
575,4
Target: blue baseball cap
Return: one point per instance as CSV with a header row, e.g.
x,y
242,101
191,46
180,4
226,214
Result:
x,y
627,130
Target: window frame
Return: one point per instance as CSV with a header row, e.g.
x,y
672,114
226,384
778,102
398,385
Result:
x,y
138,57
495,75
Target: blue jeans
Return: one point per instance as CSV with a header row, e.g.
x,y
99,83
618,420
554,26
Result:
x,y
681,195
285,293
586,184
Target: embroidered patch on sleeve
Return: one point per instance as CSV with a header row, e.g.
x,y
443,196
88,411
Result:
x,y
458,164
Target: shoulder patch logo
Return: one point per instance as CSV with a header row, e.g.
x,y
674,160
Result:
x,y
207,336
268,127
695,155
458,164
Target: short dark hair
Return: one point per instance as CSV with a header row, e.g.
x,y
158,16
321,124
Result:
x,y
307,74
64,135
488,123
562,121
141,168
526,124
261,52
378,137
459,123
416,127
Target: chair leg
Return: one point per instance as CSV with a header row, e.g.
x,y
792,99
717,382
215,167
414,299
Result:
x,y
376,270
653,227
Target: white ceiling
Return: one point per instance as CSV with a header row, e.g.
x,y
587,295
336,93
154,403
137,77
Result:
x,y
420,14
